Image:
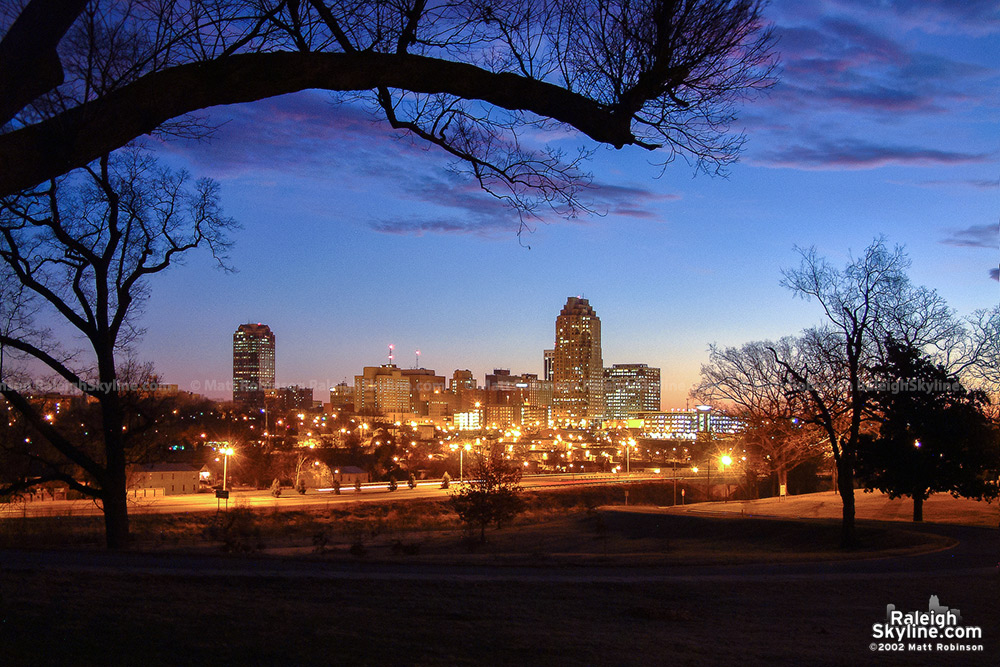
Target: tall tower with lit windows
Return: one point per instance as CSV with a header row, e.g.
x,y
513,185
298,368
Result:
x,y
577,365
253,363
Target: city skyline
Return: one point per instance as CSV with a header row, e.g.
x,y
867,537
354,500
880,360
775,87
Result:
x,y
883,122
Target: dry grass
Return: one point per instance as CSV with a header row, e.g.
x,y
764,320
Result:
x,y
939,508
111,618
126,619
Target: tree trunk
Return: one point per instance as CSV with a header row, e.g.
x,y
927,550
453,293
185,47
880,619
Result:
x,y
115,503
845,485
918,505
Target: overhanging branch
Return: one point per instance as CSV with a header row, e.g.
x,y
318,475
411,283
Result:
x,y
80,135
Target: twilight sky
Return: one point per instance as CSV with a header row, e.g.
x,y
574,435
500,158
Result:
x,y
886,120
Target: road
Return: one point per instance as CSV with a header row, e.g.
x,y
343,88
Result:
x,y
314,498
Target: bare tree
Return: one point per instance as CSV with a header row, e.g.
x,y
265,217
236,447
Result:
x,y
83,247
79,80
828,367
974,352
750,380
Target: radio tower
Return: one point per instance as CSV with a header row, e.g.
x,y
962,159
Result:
x,y
416,364
391,348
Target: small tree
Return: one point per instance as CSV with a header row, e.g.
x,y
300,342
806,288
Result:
x,y
491,495
393,485
411,481
934,435
445,480
276,488
357,485
301,486
336,487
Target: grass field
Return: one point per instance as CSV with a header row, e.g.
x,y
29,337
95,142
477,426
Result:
x,y
84,617
939,508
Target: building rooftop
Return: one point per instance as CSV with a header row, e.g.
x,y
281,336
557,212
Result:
x,y
578,306
164,467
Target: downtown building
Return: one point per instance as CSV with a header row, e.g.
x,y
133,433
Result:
x,y
688,424
398,393
577,365
630,389
253,363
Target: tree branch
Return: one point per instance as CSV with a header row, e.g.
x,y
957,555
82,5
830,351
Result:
x,y
80,135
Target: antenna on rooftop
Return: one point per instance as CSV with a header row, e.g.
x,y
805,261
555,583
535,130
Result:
x,y
391,348
416,364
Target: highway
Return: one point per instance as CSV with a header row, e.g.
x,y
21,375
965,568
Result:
x,y
312,499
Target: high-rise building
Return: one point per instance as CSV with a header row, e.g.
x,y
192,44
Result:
x,y
630,388
549,358
577,365
253,363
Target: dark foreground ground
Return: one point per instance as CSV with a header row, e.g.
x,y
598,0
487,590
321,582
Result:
x,y
88,608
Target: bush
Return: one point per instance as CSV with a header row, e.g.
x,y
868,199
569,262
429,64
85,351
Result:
x,y
336,487
393,485
411,481
238,529
445,480
301,487
357,485
276,488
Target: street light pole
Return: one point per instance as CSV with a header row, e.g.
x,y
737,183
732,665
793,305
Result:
x,y
726,461
226,453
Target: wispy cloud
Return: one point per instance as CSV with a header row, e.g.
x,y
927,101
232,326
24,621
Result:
x,y
306,134
628,201
857,154
482,226
976,183
470,210
966,17
975,236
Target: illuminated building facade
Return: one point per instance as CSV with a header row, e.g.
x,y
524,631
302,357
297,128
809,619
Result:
x,y
629,389
462,379
577,365
253,363
392,391
548,359
686,424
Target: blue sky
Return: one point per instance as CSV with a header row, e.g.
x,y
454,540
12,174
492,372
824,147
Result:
x,y
886,120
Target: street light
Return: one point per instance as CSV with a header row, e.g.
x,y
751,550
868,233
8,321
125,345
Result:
x,y
461,465
227,452
727,461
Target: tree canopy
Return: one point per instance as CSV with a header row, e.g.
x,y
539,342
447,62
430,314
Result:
x,y
80,79
933,436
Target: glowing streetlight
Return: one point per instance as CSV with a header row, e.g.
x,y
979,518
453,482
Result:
x,y
227,452
726,461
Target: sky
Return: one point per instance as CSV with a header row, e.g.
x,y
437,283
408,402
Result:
x,y
885,121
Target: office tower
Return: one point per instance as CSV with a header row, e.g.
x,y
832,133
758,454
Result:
x,y
630,388
577,366
253,363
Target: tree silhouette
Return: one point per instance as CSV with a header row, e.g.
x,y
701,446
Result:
x,y
79,80
491,493
825,369
934,436
82,249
